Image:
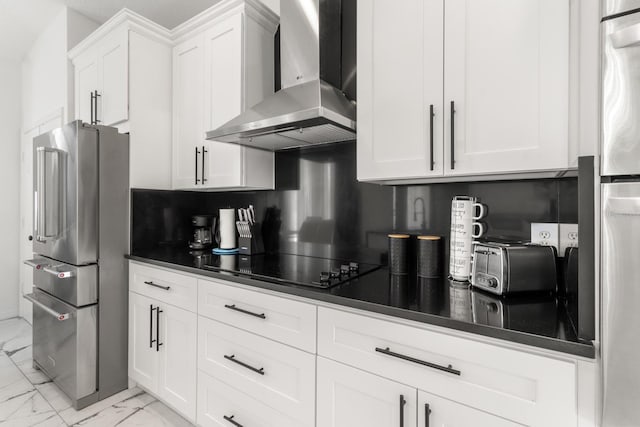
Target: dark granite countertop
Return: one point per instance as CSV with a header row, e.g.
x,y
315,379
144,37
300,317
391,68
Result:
x,y
541,322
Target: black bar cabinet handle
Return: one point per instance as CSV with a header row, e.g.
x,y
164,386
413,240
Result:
x,y
158,343
95,101
155,285
151,340
197,179
453,135
250,313
203,153
402,403
388,352
91,104
431,116
244,365
231,420
427,414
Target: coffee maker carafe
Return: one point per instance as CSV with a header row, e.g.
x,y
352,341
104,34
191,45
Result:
x,y
202,231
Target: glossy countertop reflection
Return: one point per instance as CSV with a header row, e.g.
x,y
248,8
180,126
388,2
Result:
x,y
541,321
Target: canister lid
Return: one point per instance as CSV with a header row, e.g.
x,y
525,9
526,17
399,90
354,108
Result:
x,y
429,237
399,236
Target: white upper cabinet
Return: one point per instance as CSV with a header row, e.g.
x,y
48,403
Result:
x,y
501,65
218,73
399,84
102,80
86,81
506,70
188,106
113,78
123,79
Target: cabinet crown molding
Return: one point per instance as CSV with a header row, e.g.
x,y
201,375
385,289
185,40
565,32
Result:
x,y
255,8
128,18
134,21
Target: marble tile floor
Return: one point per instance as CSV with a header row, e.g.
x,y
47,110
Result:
x,y
29,398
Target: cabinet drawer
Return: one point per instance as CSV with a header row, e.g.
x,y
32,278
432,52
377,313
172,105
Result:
x,y
519,386
217,400
290,322
280,376
163,285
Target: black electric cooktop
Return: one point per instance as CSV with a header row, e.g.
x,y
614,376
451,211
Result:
x,y
291,269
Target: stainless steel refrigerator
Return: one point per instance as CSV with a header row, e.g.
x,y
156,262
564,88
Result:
x,y
80,237
620,239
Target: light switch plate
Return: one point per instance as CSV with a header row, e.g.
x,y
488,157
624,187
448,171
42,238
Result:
x,y
568,237
546,234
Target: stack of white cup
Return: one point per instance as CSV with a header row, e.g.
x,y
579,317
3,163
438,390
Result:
x,y
465,212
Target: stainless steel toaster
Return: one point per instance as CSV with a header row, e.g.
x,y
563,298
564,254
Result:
x,y
506,268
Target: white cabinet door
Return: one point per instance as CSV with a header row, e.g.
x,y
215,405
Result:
x,y
506,69
188,133
86,82
143,360
177,365
400,74
435,411
348,397
223,95
113,74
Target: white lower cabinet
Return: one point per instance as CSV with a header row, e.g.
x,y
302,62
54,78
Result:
x,y
222,404
248,358
435,411
162,351
350,397
281,377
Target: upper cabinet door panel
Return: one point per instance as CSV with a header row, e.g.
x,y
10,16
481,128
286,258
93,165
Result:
x,y
86,75
506,69
399,77
223,85
113,61
188,131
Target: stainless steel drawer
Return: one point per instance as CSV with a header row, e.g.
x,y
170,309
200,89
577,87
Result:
x,y
77,285
64,343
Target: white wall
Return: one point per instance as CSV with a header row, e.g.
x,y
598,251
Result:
x,y
9,193
47,74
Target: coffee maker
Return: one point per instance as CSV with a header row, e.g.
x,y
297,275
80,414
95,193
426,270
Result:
x,y
202,231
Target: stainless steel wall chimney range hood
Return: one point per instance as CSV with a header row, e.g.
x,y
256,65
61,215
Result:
x,y
318,73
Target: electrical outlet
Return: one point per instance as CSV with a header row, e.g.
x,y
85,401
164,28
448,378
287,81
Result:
x,y
545,234
568,237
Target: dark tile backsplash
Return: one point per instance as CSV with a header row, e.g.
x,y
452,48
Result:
x,y
318,203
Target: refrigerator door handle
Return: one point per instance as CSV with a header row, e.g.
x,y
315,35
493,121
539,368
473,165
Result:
x,y
626,37
623,206
49,177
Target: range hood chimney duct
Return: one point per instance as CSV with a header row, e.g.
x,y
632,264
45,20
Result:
x,y
316,104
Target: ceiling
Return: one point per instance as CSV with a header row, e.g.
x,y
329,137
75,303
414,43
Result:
x,y
21,21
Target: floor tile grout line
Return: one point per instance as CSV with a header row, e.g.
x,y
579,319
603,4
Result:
x,y
34,386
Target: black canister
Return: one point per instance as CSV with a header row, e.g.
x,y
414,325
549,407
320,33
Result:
x,y
429,256
399,253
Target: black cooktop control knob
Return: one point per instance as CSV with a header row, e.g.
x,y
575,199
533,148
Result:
x,y
353,266
325,276
344,270
492,282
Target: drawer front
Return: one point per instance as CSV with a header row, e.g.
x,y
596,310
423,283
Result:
x,y
290,322
217,400
77,285
519,386
280,376
166,286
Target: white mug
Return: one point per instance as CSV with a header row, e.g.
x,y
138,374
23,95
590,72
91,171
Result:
x,y
464,212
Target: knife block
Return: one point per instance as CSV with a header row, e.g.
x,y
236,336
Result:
x,y
252,245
